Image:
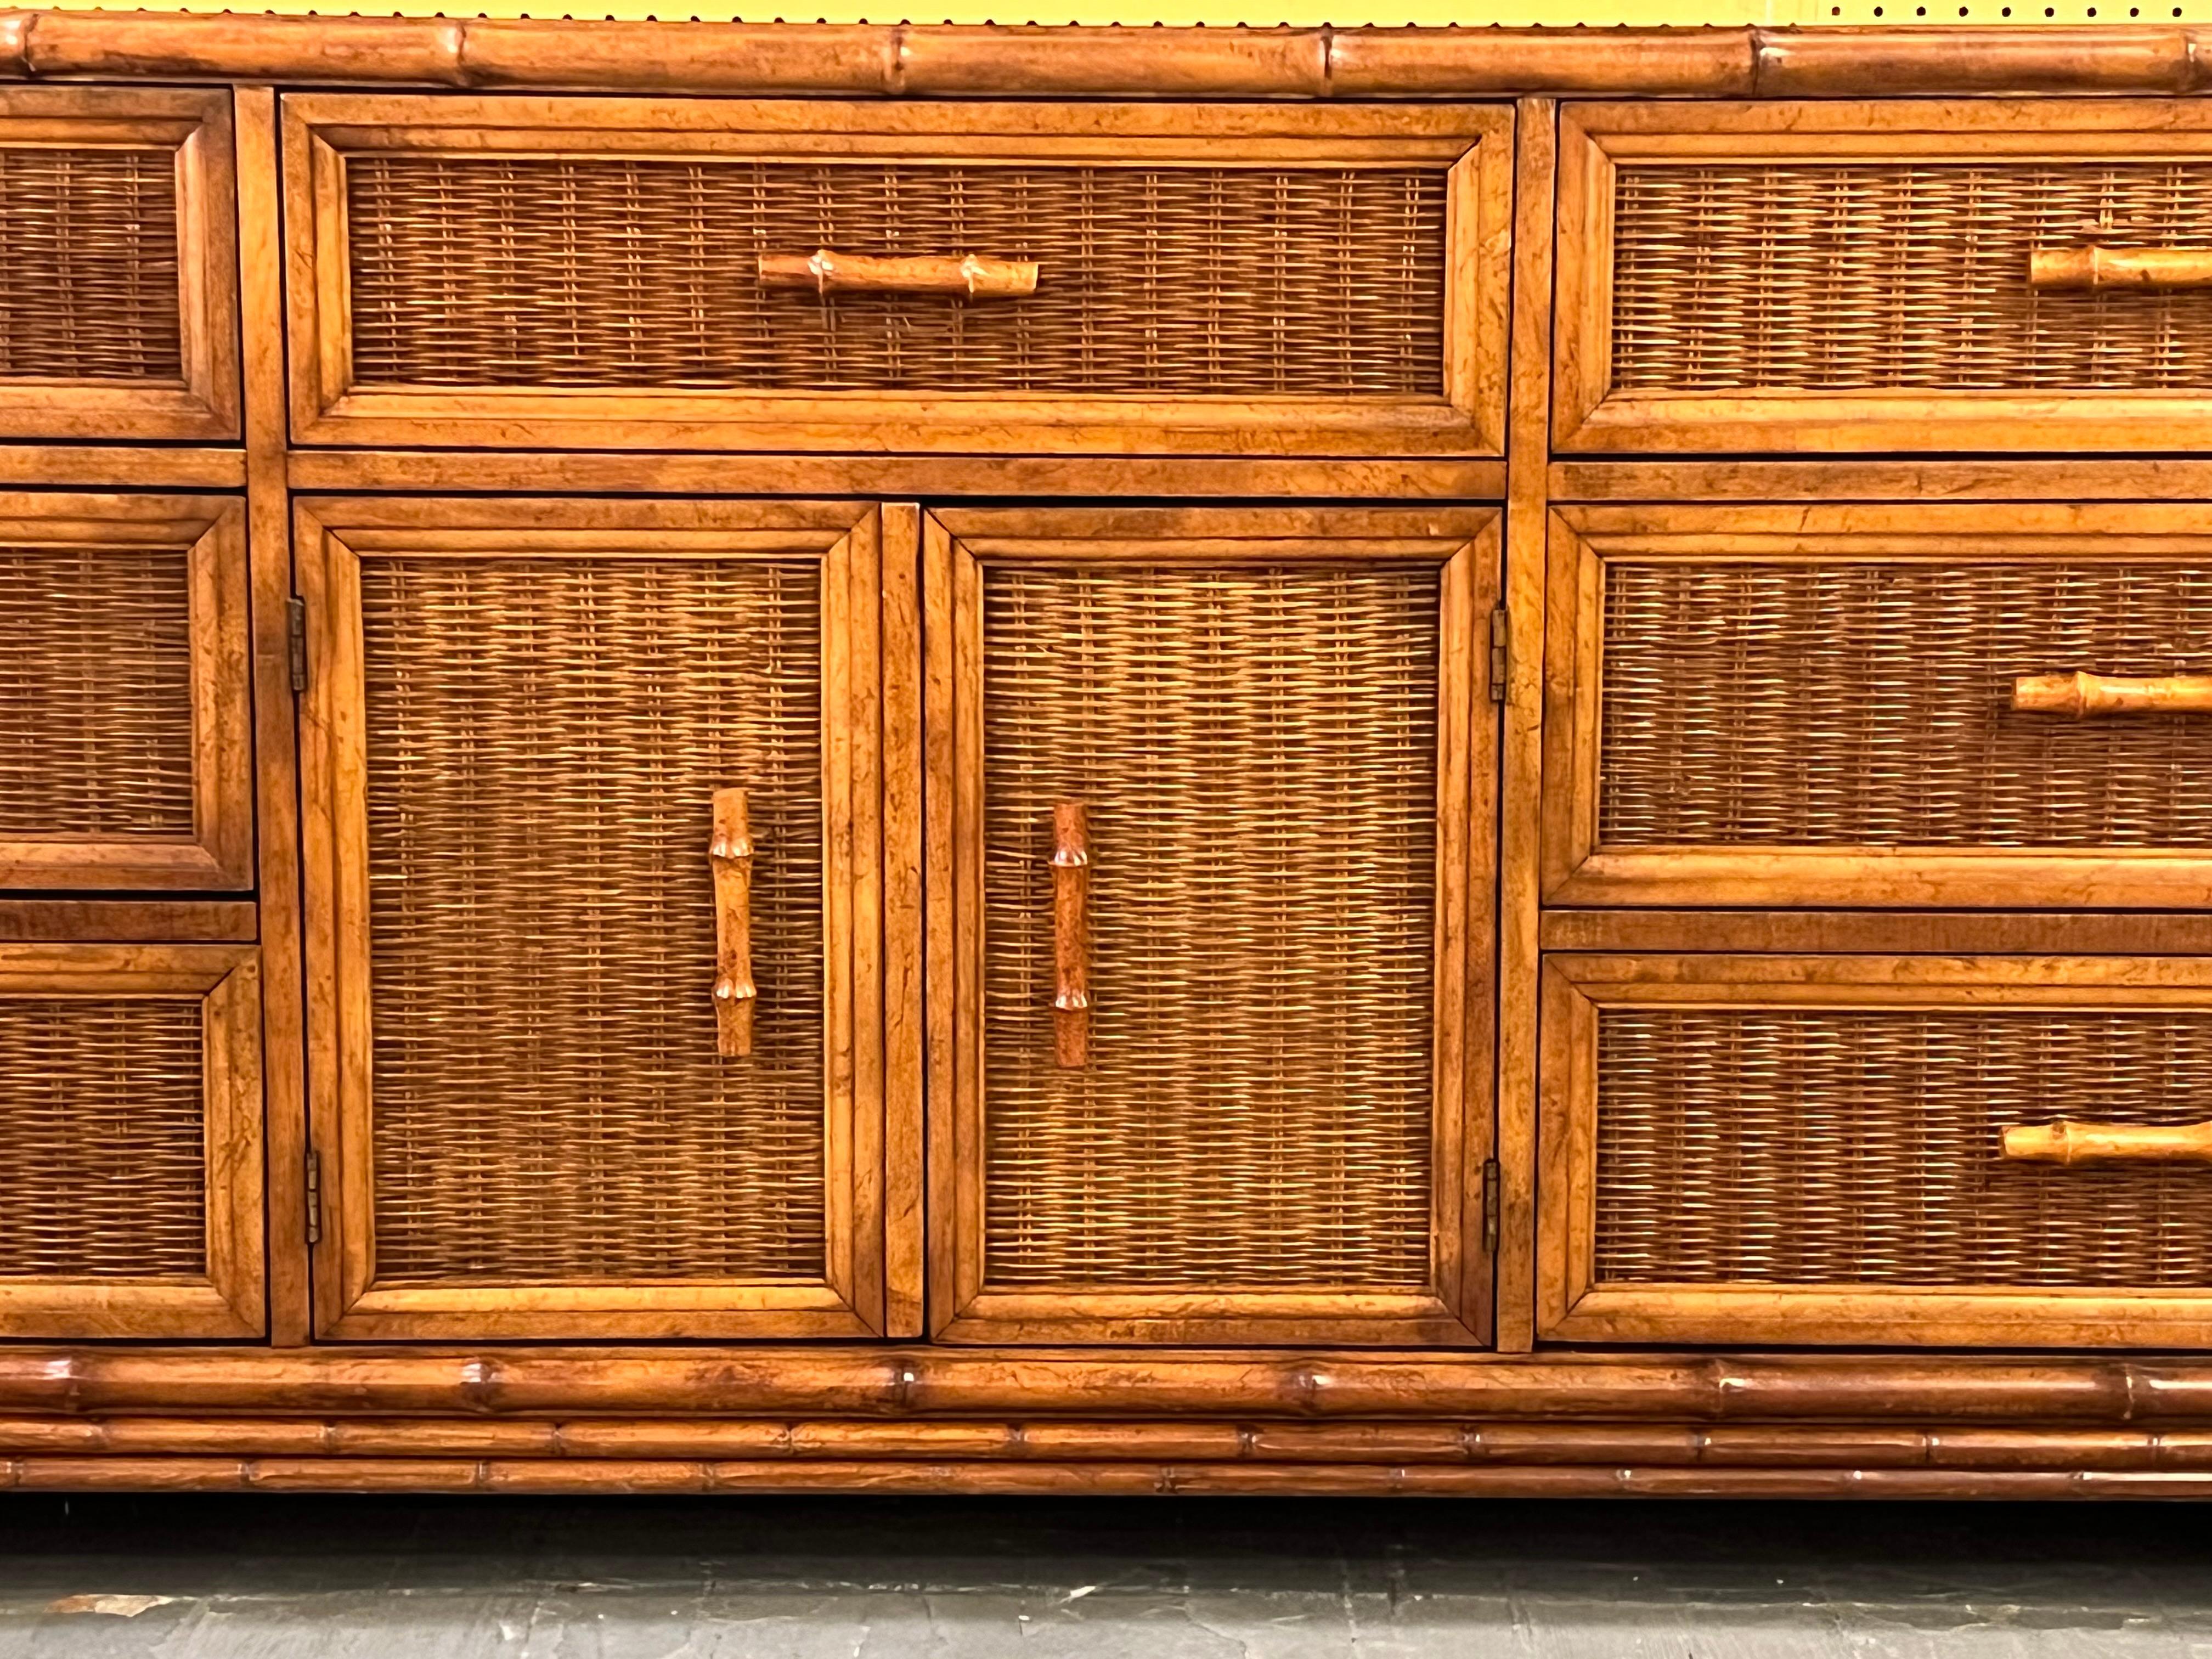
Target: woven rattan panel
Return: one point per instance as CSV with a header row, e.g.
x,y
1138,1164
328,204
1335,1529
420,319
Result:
x,y
88,264
1837,277
617,272
95,691
544,739
102,1117
1257,749
1834,704
1814,1146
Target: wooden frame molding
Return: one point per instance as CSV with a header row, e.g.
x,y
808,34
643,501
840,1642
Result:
x,y
1590,415
966,1307
224,980
1576,1306
218,852
332,537
202,403
322,131
1579,868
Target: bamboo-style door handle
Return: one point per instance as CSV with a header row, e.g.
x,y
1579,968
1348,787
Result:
x,y
2065,1142
730,853
828,272
1071,933
2120,267
2083,695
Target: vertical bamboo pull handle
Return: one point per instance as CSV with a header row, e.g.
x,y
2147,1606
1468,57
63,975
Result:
x,y
2067,1142
729,854
2084,694
1071,933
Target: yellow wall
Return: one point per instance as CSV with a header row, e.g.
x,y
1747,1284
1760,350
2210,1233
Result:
x,y
1344,13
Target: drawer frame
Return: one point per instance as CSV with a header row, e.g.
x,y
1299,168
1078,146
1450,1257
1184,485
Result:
x,y
1456,1308
1573,1305
321,129
203,404
1579,869
218,852
1590,417
225,980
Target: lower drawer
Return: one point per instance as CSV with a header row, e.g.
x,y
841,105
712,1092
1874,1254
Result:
x,y
131,1193
1862,1150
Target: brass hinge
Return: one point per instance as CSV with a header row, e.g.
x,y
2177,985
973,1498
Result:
x,y
295,638
1500,632
1490,1207
315,1199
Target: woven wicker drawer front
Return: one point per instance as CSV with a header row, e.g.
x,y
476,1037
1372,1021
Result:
x,y
1258,749
626,273
88,263
694,274
96,690
1884,277
1844,704
544,737
101,1113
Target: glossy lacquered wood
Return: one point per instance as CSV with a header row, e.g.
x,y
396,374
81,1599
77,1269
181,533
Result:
x,y
1463,416
225,1301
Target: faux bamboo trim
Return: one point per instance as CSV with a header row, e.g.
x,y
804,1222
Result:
x,y
927,1383
495,1475
949,60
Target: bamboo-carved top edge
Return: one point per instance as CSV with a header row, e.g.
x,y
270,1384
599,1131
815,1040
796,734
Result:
x,y
865,60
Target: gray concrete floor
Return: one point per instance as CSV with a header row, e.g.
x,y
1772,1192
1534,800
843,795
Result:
x,y
391,1578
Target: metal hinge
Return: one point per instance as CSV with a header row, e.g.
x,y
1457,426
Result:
x,y
1490,1207
295,638
1500,632
315,1199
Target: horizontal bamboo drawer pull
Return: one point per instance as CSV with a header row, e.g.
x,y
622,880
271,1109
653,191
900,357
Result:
x,y
1071,933
730,856
2083,695
2065,1142
971,274
2120,267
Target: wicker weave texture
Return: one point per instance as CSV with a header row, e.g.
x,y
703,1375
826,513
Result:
x,y
1822,1145
1257,749
1836,277
1842,703
615,272
95,691
544,738
101,1114
88,281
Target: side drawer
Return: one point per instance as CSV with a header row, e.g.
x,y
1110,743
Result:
x,y
630,273
130,1196
125,734
1845,1149
1824,705
118,267
1992,275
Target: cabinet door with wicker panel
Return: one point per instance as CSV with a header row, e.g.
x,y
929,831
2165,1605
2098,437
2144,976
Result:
x,y
1209,914
1929,705
1998,274
2002,1150
806,274
595,916
118,306
131,1193
125,731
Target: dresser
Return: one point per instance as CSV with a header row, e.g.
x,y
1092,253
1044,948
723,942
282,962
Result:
x,y
1041,760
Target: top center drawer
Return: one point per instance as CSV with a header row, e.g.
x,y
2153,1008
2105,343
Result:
x,y
664,273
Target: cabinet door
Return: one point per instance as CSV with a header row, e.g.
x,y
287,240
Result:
x,y
1210,1029
119,271
1882,1150
131,1193
594,858
126,743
